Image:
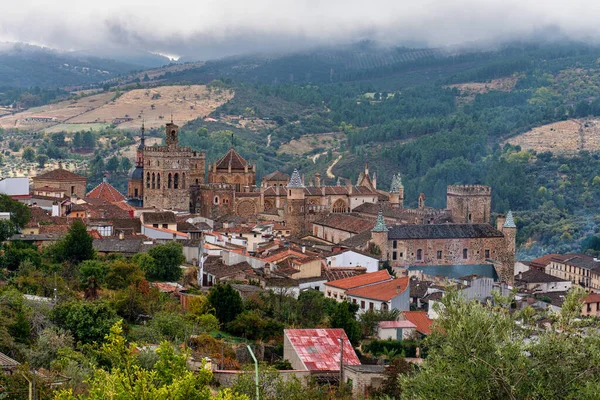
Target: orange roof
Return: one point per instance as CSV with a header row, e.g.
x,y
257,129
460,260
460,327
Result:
x,y
361,280
107,192
591,298
384,291
420,319
231,158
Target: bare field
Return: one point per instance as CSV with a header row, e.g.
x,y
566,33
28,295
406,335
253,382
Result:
x,y
155,106
564,137
308,143
470,89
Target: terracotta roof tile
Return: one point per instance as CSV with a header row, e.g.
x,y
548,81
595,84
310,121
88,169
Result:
x,y
361,280
384,291
107,192
60,174
346,222
232,157
420,319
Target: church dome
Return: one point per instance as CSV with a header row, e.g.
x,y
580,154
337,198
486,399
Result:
x,y
136,174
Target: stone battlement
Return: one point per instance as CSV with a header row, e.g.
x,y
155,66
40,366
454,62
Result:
x,y
165,149
469,190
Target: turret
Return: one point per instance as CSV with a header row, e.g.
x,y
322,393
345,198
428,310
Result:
x,y
397,192
379,236
507,268
295,207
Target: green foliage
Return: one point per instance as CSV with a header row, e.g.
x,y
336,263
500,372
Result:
x,y
344,317
19,212
18,252
479,352
167,261
403,348
92,275
28,154
370,319
123,273
88,321
252,325
226,302
76,246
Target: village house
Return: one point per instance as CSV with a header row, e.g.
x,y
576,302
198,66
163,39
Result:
x,y
591,305
353,258
383,296
580,269
338,289
541,282
396,330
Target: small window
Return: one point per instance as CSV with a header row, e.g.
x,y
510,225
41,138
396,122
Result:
x,y
362,304
487,253
155,225
371,306
216,199
419,255
165,226
439,254
465,254
395,244
353,301
401,254
394,256
470,218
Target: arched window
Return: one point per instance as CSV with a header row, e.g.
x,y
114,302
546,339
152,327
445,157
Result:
x,y
176,181
183,180
339,206
148,180
196,181
419,255
465,253
153,181
158,181
216,199
169,181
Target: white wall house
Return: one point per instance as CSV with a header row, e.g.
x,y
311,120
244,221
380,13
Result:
x,y
351,258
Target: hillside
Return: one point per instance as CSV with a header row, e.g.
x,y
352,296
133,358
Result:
x,y
127,110
23,66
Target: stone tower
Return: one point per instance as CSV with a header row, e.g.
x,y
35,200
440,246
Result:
x,y
397,192
469,204
135,183
379,236
295,204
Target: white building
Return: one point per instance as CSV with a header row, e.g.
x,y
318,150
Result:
x,y
353,258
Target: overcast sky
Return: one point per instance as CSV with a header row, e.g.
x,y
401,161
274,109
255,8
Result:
x,y
212,28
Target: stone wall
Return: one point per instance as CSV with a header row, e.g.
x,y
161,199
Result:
x,y
469,204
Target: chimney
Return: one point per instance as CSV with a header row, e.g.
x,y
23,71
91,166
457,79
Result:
x,y
317,179
303,249
398,289
121,235
520,276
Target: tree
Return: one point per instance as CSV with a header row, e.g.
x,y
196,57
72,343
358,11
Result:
x,y
344,316
252,325
167,262
41,160
77,140
28,154
113,164
226,301
88,140
125,164
478,351
19,212
58,139
92,275
123,273
88,321
77,245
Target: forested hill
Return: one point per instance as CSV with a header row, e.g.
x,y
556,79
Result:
x,y
23,66
438,120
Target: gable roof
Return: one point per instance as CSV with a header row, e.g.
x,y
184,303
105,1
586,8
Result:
x,y
319,349
231,158
107,192
7,363
443,231
162,217
578,260
345,222
361,280
537,276
384,291
60,174
276,176
420,319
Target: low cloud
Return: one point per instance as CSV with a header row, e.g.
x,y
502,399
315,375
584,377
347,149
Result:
x,y
214,28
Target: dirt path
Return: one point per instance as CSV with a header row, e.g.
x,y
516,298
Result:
x,y
330,169
316,157
269,140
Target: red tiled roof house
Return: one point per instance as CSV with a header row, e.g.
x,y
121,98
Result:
x,y
317,350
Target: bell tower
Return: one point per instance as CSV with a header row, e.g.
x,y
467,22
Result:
x,y
294,211
172,134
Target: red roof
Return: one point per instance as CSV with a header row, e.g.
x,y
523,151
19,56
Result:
x,y
345,222
592,298
420,319
319,349
361,280
107,192
60,174
232,157
384,291
541,262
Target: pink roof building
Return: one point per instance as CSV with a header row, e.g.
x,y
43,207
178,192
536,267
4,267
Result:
x,y
317,349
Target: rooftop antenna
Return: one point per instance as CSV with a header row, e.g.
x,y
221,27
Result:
x,y
231,139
